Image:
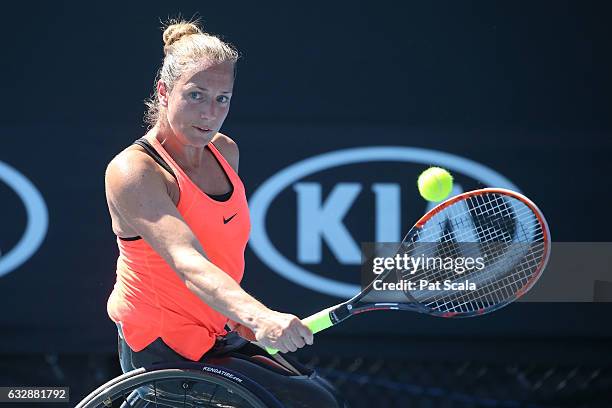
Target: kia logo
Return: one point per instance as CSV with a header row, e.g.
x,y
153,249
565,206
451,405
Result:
x,y
320,220
37,219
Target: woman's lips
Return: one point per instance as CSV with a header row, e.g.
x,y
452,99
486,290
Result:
x,y
203,129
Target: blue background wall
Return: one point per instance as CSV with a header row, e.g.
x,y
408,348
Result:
x,y
521,88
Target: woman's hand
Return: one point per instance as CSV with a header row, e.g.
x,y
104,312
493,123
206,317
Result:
x,y
282,331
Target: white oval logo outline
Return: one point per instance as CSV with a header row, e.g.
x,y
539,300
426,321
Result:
x,y
267,192
37,219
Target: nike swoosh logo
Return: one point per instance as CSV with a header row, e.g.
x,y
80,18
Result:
x,y
229,219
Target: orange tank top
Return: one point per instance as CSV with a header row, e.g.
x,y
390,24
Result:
x,y
149,299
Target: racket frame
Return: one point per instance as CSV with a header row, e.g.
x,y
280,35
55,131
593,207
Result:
x,y
342,311
352,307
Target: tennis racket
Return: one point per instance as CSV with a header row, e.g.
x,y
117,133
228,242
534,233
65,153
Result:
x,y
504,227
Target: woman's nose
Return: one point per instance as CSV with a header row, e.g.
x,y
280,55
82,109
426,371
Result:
x,y
208,111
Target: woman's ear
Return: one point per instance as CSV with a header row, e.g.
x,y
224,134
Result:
x,y
162,93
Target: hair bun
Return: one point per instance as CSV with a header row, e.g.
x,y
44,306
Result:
x,y
175,32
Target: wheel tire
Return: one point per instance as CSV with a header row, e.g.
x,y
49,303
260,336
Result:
x,y
114,392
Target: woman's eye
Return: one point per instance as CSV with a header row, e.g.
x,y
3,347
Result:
x,y
195,95
223,99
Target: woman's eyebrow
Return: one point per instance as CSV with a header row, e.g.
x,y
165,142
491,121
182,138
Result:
x,y
204,89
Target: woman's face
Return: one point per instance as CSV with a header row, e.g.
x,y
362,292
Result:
x,y
199,102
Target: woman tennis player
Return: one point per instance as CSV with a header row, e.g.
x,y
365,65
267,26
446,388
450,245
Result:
x,y
179,211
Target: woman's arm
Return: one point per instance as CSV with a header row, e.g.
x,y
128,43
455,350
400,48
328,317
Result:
x,y
137,193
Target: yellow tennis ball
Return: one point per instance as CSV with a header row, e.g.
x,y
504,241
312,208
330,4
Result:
x,y
435,184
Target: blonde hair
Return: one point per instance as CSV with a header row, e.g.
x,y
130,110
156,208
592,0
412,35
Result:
x,y
186,44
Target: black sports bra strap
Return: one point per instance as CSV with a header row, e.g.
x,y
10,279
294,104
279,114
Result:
x,y
144,143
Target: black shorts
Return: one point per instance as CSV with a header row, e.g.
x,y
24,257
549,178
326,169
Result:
x,y
160,352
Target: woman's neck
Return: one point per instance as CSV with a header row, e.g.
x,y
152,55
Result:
x,y
186,156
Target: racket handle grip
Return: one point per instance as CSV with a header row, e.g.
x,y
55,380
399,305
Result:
x,y
316,323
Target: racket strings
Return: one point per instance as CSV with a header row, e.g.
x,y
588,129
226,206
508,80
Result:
x,y
450,241
504,231
489,294
493,293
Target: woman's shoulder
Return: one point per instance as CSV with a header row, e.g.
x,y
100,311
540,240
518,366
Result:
x,y
131,165
228,148
133,156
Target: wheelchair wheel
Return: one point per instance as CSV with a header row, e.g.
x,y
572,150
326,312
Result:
x,y
186,385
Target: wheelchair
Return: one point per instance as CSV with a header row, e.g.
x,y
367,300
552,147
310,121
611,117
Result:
x,y
227,381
